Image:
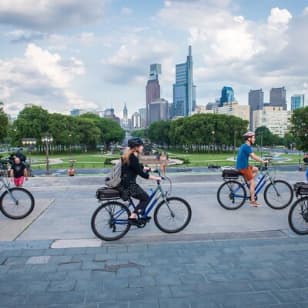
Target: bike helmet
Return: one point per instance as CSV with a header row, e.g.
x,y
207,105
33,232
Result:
x,y
248,135
135,142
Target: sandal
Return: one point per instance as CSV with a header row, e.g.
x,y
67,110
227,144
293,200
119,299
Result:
x,y
254,204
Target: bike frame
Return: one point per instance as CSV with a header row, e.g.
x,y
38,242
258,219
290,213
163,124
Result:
x,y
157,194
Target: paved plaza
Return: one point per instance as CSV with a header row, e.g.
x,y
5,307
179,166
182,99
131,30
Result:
x,y
243,258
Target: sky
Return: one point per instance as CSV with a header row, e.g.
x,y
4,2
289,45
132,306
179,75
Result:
x,y
95,54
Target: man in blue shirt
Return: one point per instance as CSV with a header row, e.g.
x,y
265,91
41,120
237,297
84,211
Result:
x,y
242,164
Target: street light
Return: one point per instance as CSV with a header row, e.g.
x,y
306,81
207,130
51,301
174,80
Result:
x,y
234,144
30,142
47,139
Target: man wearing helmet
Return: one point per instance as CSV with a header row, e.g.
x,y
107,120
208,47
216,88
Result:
x,y
131,168
242,164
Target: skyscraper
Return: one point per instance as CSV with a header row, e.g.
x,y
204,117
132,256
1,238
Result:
x,y
227,96
125,122
297,101
255,102
159,110
184,90
152,87
278,98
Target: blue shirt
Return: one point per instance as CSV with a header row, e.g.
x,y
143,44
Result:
x,y
243,156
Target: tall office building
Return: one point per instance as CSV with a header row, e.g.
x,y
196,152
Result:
x,y
227,96
255,102
125,120
297,101
159,110
278,98
184,90
152,87
143,117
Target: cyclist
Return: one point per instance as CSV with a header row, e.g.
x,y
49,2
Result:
x,y
242,164
131,168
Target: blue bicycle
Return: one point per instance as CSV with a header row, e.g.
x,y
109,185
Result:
x,y
231,195
110,221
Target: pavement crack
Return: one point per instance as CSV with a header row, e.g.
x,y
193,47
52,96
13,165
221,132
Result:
x,y
115,267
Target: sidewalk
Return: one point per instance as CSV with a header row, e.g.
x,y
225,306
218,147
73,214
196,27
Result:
x,y
268,272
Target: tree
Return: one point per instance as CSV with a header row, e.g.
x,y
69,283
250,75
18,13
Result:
x,y
159,132
31,122
4,123
299,128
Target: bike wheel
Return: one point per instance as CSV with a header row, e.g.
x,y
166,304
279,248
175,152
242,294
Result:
x,y
16,203
298,216
172,215
278,195
109,222
231,195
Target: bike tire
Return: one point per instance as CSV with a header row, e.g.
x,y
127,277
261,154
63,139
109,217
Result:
x,y
167,205
297,208
230,196
284,188
96,225
7,203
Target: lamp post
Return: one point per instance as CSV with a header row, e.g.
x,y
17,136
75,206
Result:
x,y
47,139
213,135
30,142
234,144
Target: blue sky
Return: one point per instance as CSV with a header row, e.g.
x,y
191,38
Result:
x,y
65,54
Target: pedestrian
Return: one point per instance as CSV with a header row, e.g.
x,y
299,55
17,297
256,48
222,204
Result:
x,y
18,172
242,164
131,168
163,159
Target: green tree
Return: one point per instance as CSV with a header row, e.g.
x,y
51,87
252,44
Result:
x,y
159,132
4,123
299,128
31,122
265,137
141,133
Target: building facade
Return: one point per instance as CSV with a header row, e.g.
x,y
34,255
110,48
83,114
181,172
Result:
x,y
159,110
227,96
235,109
278,97
184,90
152,88
136,120
276,119
255,102
297,101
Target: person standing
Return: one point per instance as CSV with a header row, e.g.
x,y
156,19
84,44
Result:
x,y
242,164
18,172
163,159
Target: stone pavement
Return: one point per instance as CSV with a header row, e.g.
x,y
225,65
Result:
x,y
244,258
265,272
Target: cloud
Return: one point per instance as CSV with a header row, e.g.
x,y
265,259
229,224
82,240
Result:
x,y
50,14
131,61
126,11
41,77
231,50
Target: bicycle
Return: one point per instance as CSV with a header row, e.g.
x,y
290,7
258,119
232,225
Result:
x,y
112,216
298,214
15,202
231,195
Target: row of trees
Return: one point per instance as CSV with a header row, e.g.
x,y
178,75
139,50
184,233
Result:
x,y
88,129
218,129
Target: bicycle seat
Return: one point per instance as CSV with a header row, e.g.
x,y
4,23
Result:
x,y
231,173
106,193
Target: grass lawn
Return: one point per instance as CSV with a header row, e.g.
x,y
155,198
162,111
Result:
x,y
97,160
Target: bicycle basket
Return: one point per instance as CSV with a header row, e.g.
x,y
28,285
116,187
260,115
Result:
x,y
301,188
106,193
230,174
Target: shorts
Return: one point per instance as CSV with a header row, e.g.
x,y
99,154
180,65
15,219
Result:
x,y
247,173
19,181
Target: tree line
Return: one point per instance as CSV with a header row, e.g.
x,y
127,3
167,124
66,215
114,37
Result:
x,y
220,129
35,122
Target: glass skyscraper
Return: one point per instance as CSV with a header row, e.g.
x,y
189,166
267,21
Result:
x,y
184,90
227,96
297,101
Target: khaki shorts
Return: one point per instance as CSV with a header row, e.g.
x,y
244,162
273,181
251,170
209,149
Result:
x,y
247,173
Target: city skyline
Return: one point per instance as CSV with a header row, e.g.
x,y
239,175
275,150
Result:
x,y
97,55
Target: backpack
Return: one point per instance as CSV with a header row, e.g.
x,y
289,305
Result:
x,y
115,176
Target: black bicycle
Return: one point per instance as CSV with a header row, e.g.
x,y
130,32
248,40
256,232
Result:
x,y
232,194
298,214
110,221
15,202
